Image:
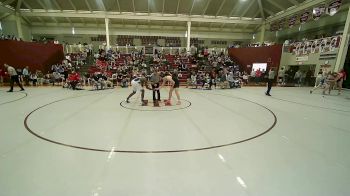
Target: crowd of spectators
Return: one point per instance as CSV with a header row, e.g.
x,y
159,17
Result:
x,y
9,37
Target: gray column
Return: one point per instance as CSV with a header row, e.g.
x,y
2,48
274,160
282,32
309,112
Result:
x,y
107,33
343,49
262,33
188,36
19,26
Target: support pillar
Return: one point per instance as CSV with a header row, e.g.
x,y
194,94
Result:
x,y
19,26
343,49
188,37
107,33
262,34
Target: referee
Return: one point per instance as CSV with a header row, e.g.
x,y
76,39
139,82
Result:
x,y
14,77
270,80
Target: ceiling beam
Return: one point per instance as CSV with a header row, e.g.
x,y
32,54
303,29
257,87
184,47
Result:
x,y
72,4
8,2
28,6
57,5
119,6
42,5
130,26
276,5
261,9
163,7
68,19
18,6
246,25
88,5
177,8
247,9
206,7
102,4
300,7
177,30
155,17
133,6
194,1
3,16
27,20
42,21
6,8
233,9
219,10
269,11
54,19
294,2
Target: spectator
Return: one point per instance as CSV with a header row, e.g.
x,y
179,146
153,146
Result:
x,y
26,75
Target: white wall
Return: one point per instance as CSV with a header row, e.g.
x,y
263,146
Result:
x,y
314,59
9,27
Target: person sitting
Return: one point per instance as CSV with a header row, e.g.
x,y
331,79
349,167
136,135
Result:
x,y
124,82
230,80
33,78
73,80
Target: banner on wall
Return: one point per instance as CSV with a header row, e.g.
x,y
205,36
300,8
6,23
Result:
x,y
319,11
324,45
316,13
304,17
334,7
292,21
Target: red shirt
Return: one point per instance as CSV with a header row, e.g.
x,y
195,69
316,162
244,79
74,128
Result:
x,y
342,75
258,73
74,77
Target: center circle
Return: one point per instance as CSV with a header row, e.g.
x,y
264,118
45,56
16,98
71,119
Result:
x,y
150,106
137,132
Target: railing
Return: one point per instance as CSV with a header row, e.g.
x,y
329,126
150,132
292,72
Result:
x,y
77,48
169,50
218,50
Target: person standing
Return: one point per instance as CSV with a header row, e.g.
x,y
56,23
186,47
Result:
x,y
281,77
2,75
270,80
26,75
155,80
173,81
138,84
341,76
14,77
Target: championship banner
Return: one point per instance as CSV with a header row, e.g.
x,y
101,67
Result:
x,y
333,7
281,24
292,21
304,17
317,12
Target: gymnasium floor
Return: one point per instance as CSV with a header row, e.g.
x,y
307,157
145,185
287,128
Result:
x,y
56,142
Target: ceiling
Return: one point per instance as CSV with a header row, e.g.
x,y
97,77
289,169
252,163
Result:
x,y
225,9
228,8
241,16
